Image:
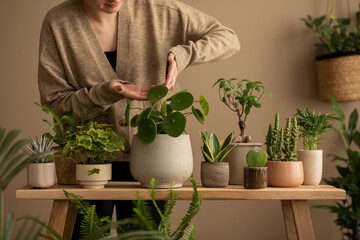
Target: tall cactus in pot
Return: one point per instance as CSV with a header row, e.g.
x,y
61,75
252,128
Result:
x,y
274,140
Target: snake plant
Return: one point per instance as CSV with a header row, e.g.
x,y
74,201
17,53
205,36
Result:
x,y
213,150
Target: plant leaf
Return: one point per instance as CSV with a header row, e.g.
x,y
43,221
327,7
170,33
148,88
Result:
x,y
198,114
174,124
204,104
147,130
181,101
157,93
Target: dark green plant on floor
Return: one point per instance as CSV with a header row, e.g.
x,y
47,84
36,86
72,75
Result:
x,y
348,210
169,120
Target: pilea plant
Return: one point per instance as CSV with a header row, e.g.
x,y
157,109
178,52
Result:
x,y
240,98
256,159
169,119
280,141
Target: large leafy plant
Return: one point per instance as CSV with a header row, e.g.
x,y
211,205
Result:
x,y
312,125
240,96
348,210
212,149
169,120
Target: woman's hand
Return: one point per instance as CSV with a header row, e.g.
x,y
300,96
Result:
x,y
172,72
130,91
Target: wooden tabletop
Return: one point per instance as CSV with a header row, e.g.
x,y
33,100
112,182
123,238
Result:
x,y
127,191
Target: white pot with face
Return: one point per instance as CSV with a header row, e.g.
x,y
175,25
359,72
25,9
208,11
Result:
x,y
313,166
166,159
41,175
93,176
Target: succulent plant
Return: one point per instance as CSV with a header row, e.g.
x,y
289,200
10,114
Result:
x,y
256,159
275,140
291,137
212,149
37,146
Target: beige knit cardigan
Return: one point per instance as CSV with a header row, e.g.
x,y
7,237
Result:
x,y
74,73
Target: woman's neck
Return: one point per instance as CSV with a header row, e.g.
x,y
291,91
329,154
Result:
x,y
99,16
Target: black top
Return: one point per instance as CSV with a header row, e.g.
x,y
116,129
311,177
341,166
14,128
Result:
x,y
111,56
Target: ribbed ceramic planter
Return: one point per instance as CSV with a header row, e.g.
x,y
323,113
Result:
x,y
41,175
285,174
237,161
95,180
166,159
214,174
313,165
255,177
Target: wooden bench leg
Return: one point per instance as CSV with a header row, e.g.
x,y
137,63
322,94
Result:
x,y
62,218
297,220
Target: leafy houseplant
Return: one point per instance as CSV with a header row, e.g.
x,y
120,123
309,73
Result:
x,y
41,171
255,175
348,215
160,150
214,171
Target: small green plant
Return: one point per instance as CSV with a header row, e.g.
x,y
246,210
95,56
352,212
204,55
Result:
x,y
240,99
169,120
312,125
98,141
212,149
291,137
256,159
39,146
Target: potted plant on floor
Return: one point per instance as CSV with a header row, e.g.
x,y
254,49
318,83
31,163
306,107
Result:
x,y
312,125
287,171
99,143
41,171
240,96
337,69
160,150
214,171
255,174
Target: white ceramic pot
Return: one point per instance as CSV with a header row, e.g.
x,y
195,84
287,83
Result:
x,y
313,165
41,175
166,159
237,161
95,180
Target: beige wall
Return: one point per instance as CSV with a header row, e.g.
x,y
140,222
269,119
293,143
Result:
x,y
276,49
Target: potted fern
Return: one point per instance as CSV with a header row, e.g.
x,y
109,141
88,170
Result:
x,y
214,171
255,174
240,96
287,171
160,149
312,125
40,171
99,143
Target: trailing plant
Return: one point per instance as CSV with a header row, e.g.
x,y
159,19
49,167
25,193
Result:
x,y
212,149
169,120
348,210
256,159
336,34
240,98
291,137
98,141
312,125
38,146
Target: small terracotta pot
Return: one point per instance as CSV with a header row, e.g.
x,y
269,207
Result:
x,y
41,175
285,174
95,180
214,174
313,164
255,177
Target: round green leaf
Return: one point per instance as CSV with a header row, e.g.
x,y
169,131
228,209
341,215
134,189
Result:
x,y
204,105
174,124
198,114
156,93
134,122
181,101
147,131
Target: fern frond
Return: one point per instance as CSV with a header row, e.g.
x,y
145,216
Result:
x,y
169,206
142,212
81,205
190,233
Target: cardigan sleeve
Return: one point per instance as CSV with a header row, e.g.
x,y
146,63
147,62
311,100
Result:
x,y
55,89
207,40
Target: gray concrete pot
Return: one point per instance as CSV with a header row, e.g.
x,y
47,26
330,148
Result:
x,y
313,165
237,161
41,175
214,174
95,180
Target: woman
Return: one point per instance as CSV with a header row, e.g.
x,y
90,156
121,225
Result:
x,y
111,52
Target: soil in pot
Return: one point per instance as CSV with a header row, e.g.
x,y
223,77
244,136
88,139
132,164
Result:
x,y
214,174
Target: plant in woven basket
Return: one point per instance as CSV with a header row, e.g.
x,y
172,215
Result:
x,y
39,146
240,96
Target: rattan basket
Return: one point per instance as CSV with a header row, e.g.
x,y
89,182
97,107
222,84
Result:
x,y
339,76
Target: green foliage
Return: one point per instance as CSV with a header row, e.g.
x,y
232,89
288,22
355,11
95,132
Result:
x,y
312,125
335,34
240,96
348,210
98,141
38,146
212,149
291,137
169,120
275,140
256,159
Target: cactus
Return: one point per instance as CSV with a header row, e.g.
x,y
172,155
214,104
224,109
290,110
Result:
x,y
291,136
256,159
38,146
274,140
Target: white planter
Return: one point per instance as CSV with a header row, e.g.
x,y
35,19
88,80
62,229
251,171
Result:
x,y
95,180
41,175
237,161
166,159
313,165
